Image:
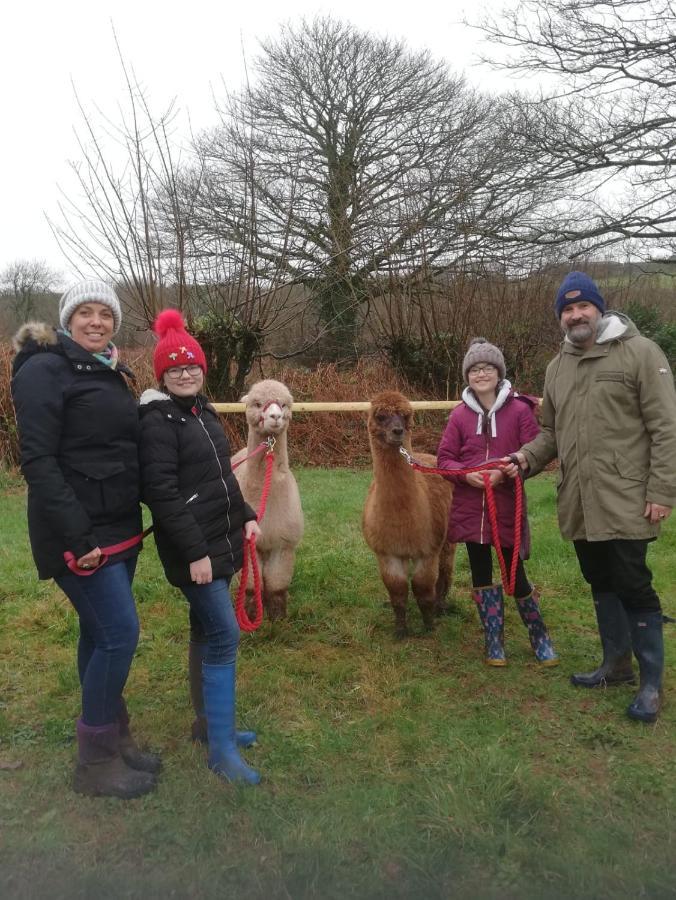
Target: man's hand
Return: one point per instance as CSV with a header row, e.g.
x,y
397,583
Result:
x,y
655,512
512,470
251,528
200,571
476,478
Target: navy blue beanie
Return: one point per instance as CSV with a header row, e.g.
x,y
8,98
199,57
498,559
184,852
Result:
x,y
577,286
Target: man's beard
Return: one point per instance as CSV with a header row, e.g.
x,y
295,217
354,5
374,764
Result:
x,y
580,333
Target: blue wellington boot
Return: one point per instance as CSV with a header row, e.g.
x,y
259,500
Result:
x,y
491,606
219,706
648,644
540,641
196,653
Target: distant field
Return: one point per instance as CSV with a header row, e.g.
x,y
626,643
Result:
x,y
391,769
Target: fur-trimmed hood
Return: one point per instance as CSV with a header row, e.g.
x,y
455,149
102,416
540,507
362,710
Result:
x,y
32,338
152,394
38,337
38,332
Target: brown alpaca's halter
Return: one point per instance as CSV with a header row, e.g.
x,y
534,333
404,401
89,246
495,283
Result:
x,y
508,578
243,619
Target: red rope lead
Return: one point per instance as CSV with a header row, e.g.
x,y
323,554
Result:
x,y
508,582
243,619
259,449
508,579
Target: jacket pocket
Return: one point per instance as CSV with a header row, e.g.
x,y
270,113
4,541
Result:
x,y
106,489
98,471
610,376
629,470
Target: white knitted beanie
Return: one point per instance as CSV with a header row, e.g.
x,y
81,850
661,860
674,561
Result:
x,y
91,291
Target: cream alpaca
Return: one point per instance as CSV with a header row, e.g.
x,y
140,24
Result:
x,y
268,413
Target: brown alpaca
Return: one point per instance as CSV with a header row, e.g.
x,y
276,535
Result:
x,y
406,515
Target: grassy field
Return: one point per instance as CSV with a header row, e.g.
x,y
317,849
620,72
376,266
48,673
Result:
x,y
392,769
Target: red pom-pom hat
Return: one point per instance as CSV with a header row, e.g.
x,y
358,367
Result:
x,y
175,347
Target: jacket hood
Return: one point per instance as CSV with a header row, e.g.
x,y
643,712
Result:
x,y
39,333
171,406
31,338
614,326
150,395
470,399
38,337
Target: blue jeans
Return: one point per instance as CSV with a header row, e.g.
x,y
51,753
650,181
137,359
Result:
x,y
109,632
211,613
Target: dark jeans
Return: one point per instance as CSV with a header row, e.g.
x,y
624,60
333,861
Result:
x,y
619,567
109,631
481,565
213,621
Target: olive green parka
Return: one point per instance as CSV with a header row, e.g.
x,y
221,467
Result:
x,y
609,414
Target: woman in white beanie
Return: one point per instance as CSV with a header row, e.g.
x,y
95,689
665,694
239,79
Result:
x,y
78,431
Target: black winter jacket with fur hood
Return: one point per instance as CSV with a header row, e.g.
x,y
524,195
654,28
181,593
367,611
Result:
x,y
78,436
187,481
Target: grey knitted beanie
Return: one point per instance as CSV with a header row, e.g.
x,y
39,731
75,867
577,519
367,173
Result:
x,y
480,351
91,291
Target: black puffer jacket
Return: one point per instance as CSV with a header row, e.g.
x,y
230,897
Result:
x,y
197,506
78,434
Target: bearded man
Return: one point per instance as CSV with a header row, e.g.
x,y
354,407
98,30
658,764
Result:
x,y
609,414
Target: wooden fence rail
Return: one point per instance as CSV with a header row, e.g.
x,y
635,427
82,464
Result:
x,y
352,406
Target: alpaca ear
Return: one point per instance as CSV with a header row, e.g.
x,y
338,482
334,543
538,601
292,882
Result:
x,y
244,399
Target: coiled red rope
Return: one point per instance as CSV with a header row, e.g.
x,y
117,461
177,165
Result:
x,y
508,578
249,555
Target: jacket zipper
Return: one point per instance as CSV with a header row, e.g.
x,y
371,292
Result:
x,y
483,500
198,416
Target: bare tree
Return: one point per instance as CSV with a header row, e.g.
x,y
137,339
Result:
x,y
114,224
349,157
607,128
23,281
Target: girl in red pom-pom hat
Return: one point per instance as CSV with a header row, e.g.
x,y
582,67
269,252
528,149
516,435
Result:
x,y
200,520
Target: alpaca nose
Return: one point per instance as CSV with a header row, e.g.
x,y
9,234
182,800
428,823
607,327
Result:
x,y
398,431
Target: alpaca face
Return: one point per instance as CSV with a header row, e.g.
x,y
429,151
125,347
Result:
x,y
268,407
390,419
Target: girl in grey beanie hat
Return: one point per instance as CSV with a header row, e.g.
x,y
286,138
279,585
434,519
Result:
x,y
481,351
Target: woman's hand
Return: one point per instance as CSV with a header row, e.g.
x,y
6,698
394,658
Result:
x,y
476,479
200,571
90,560
251,528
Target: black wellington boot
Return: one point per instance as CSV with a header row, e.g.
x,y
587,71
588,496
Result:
x,y
648,644
198,729
616,667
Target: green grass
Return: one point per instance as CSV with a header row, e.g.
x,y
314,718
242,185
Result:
x,y
392,769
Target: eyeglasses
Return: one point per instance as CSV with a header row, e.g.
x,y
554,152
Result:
x,y
482,370
176,372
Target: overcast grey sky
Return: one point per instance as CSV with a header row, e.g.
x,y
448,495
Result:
x,y
184,50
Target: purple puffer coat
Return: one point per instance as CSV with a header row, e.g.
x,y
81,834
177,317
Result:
x,y
473,436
